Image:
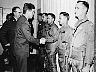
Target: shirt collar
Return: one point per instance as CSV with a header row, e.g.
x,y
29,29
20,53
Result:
x,y
15,18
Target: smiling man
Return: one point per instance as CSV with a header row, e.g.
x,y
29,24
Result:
x,y
51,41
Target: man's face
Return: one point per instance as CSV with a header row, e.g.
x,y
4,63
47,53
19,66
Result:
x,y
62,19
79,9
44,18
50,19
17,13
31,13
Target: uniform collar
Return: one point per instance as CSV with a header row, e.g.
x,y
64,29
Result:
x,y
80,21
51,24
62,29
15,19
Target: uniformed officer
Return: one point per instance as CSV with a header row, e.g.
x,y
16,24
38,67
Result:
x,y
40,25
45,24
51,41
65,34
82,45
42,30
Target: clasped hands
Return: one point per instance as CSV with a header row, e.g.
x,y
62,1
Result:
x,y
7,44
42,41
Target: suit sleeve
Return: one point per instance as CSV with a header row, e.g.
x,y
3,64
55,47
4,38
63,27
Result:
x,y
27,34
3,33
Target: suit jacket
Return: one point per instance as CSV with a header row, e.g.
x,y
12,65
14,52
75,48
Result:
x,y
83,41
23,37
7,32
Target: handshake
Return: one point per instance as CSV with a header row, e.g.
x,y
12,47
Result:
x,y
42,41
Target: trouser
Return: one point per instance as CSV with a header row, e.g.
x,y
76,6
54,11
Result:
x,y
61,59
43,59
21,63
9,53
76,65
13,61
34,63
51,51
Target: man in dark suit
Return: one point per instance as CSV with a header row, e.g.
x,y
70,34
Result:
x,y
23,37
7,34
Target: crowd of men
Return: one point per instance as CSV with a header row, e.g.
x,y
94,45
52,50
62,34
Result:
x,y
75,47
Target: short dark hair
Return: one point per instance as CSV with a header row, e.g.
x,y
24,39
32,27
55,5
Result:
x,y
9,16
14,8
28,6
52,15
45,14
65,14
86,4
40,14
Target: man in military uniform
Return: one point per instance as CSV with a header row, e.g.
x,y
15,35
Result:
x,y
51,41
45,24
82,45
40,25
42,30
65,33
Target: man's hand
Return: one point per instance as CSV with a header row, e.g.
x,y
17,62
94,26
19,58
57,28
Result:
x,y
42,41
7,44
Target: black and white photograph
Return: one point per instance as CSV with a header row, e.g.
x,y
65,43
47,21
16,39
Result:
x,y
47,36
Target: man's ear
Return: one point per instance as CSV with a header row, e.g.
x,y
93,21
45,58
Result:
x,y
66,18
85,9
26,11
13,13
53,19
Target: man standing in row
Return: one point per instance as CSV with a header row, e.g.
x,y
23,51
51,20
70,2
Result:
x,y
65,34
82,45
40,25
51,41
45,24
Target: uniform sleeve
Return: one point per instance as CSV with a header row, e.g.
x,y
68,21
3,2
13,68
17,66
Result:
x,y
90,45
54,37
27,34
69,38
